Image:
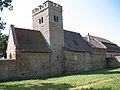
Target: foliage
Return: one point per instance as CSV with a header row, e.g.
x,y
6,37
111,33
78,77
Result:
x,y
3,45
4,4
107,79
3,38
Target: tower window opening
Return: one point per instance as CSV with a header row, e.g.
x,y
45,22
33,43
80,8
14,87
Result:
x,y
55,18
42,19
39,21
45,4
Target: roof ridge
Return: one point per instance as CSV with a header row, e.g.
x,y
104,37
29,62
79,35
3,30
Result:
x,y
71,31
26,29
108,41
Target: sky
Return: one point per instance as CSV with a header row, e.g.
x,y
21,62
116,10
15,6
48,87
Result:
x,y
97,17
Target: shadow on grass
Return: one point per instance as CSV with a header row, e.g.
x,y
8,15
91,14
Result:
x,y
52,86
93,72
102,71
39,86
45,86
96,89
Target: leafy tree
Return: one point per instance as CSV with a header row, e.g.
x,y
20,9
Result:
x,y
4,4
3,38
3,45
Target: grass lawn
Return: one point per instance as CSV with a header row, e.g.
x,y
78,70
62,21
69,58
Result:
x,y
106,79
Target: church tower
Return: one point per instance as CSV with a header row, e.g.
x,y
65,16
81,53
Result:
x,y
48,19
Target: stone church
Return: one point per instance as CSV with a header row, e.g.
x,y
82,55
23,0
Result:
x,y
49,50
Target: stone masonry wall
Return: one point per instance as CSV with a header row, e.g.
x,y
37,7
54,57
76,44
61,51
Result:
x,y
36,65
113,61
77,62
7,70
98,58
83,61
26,66
33,65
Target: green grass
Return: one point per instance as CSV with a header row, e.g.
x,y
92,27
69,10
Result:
x,y
107,79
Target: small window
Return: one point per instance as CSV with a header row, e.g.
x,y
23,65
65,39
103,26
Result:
x,y
39,21
42,19
40,7
54,18
45,4
57,18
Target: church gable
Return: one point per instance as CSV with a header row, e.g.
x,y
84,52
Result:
x,y
26,40
11,45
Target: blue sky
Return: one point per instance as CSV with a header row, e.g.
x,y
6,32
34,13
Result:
x,y
97,17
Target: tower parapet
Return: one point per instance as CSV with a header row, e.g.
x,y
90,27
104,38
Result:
x,y
47,4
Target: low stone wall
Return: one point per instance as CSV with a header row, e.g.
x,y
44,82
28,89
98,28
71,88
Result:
x,y
7,69
33,65
84,61
37,65
113,61
26,66
98,58
77,62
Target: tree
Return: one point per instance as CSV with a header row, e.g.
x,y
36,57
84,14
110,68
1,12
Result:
x,y
3,38
3,45
4,4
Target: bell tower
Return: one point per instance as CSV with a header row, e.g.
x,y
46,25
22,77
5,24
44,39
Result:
x,y
47,18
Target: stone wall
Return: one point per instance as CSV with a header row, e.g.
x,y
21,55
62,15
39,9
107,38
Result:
x,y
26,66
33,65
37,65
113,61
77,62
98,58
7,70
84,61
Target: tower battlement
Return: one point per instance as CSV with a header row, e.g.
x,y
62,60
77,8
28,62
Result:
x,y
47,4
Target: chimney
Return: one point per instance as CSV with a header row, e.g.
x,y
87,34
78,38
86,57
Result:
x,y
88,38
